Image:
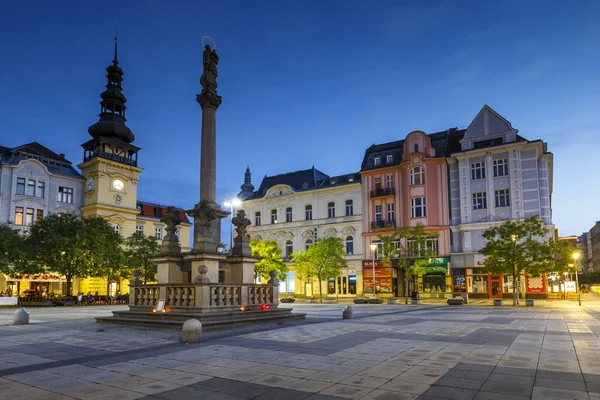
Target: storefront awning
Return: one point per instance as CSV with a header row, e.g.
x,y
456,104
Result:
x,y
439,264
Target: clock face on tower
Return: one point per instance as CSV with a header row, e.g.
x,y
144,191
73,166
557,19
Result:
x,y
118,184
90,184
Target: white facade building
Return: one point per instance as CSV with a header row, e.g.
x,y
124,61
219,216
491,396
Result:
x,y
297,208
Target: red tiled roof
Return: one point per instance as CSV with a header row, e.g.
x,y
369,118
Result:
x,y
158,211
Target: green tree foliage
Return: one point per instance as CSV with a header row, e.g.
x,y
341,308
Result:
x,y
590,278
271,259
325,260
407,246
559,256
14,252
515,247
139,252
71,246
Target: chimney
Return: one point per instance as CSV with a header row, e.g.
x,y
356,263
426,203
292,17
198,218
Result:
x,y
62,156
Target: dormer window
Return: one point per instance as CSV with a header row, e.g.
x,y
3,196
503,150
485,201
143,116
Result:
x,y
377,161
416,148
389,159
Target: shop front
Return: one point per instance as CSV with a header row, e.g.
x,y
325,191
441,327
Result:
x,y
386,279
39,285
436,278
479,284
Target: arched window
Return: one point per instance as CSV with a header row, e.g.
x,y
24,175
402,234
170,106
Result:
x,y
331,210
308,212
289,248
416,148
349,245
417,176
273,216
257,218
308,243
349,208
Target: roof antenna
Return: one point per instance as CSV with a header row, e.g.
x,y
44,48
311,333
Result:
x,y
116,40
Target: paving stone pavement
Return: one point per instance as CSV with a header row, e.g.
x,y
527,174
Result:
x,y
386,352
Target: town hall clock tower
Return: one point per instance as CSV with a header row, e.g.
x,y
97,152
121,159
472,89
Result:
x,y
110,163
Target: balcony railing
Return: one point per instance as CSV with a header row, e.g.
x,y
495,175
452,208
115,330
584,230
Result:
x,y
382,192
383,224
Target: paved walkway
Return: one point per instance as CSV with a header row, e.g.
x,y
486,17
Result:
x,y
385,352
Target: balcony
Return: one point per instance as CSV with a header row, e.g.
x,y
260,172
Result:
x,y
382,192
381,224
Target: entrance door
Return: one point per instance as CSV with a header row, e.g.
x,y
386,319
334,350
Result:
x,y
495,287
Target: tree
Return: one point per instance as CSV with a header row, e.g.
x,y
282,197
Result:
x,y
406,246
139,252
514,248
14,253
558,257
270,259
324,260
590,277
71,246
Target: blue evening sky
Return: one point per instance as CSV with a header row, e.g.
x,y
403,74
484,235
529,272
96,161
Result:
x,y
307,83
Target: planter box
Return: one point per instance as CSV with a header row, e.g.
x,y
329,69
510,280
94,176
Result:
x,y
529,303
375,301
287,300
454,302
360,301
499,303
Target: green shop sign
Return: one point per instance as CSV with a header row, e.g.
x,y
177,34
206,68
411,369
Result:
x,y
439,264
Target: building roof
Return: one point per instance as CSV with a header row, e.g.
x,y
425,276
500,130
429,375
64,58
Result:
x,y
304,180
444,143
157,211
56,163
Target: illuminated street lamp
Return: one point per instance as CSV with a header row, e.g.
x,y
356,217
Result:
x,y
373,247
232,204
575,257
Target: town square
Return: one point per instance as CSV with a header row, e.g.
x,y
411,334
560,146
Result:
x,y
384,209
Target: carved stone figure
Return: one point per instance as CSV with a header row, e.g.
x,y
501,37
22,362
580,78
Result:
x,y
203,213
208,80
241,223
171,219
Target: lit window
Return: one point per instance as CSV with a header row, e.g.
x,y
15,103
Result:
x,y
418,207
20,185
29,217
158,233
331,210
478,171
308,212
257,218
288,214
377,161
19,215
39,215
417,176
349,245
41,189
502,198
501,167
273,216
479,201
349,208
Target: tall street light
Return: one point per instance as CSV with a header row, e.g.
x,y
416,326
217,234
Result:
x,y
373,247
232,204
575,257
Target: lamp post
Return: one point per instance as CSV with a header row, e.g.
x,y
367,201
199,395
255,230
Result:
x,y
373,247
235,202
575,257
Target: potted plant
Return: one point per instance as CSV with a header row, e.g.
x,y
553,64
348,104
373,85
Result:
x,y
287,299
220,247
455,301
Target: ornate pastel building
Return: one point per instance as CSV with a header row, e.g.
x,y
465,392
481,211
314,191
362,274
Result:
x,y
405,183
496,175
297,208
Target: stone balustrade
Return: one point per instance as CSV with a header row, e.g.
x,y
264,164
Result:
x,y
203,296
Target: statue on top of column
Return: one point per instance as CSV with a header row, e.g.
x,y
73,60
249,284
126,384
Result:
x,y
208,80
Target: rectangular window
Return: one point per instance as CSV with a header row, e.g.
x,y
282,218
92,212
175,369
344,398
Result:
x,y
139,229
65,194
41,189
390,212
479,201
389,159
478,171
377,213
29,217
377,180
422,248
257,218
502,198
418,207
389,181
349,208
19,215
331,210
39,215
377,161
30,187
158,233
501,167
20,185
308,213
273,216
288,214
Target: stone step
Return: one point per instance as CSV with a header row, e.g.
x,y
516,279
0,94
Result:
x,y
154,320
202,317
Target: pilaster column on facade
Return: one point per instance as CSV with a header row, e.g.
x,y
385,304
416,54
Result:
x,y
516,190
465,190
489,183
467,243
544,185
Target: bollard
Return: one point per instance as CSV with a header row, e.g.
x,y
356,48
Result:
x,y
191,331
21,316
348,313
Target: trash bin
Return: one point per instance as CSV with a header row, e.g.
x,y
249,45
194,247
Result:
x,y
415,295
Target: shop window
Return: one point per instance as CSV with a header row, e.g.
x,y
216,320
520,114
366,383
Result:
x,y
352,284
479,284
331,286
